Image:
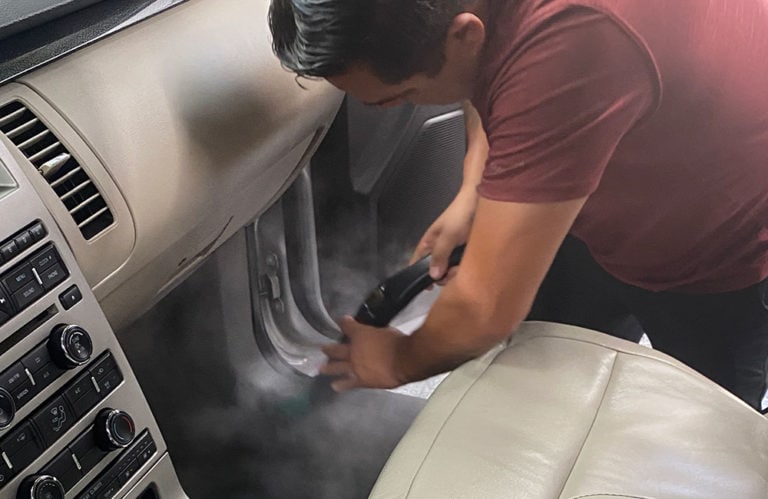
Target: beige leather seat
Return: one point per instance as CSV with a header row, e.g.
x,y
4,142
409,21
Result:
x,y
563,412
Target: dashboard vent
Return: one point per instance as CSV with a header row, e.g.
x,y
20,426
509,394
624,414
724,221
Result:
x,y
59,168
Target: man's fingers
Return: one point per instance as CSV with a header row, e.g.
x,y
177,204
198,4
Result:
x,y
424,247
349,326
422,250
342,368
450,275
336,351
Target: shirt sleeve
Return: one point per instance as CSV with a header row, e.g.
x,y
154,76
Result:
x,y
559,107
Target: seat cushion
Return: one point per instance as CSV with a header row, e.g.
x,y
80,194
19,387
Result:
x,y
564,412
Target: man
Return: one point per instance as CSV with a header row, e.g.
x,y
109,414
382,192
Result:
x,y
639,126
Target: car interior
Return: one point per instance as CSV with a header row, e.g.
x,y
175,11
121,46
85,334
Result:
x,y
183,222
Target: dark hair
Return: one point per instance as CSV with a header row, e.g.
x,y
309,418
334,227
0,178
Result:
x,y
397,38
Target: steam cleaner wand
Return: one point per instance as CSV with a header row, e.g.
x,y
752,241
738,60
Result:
x,y
393,294
383,303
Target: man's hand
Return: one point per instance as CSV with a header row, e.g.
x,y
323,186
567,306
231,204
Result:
x,y
367,361
449,230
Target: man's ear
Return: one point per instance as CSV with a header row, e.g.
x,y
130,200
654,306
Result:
x,y
466,35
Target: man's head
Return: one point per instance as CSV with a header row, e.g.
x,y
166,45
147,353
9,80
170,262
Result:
x,y
382,52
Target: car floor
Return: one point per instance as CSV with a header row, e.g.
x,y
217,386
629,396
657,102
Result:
x,y
237,426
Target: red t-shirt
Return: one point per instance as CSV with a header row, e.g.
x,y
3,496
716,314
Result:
x,y
655,109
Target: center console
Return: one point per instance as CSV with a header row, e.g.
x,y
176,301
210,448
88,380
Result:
x,y
73,420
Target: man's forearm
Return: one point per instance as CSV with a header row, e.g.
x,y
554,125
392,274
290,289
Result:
x,y
458,328
509,251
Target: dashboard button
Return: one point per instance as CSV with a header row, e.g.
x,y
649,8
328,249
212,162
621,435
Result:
x,y
53,276
110,381
13,377
103,366
82,395
25,455
9,250
70,297
86,403
18,278
64,468
87,452
37,231
47,375
53,420
24,240
17,439
24,393
37,358
44,259
28,294
79,388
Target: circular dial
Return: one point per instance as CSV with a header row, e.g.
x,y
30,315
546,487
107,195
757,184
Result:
x,y
70,346
40,487
7,408
114,429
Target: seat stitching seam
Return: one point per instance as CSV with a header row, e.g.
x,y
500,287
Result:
x,y
442,426
591,426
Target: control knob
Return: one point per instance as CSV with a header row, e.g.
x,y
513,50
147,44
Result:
x,y
70,346
40,487
114,429
7,408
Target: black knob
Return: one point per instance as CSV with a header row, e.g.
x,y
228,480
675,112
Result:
x,y
40,487
70,346
114,429
7,408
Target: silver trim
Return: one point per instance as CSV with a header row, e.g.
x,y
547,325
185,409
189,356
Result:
x,y
31,378
37,276
77,461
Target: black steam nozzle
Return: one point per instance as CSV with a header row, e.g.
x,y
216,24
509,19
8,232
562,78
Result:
x,y
393,294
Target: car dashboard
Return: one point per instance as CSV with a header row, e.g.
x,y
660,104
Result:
x,y
123,165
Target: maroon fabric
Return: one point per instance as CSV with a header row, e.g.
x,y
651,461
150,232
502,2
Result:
x,y
655,109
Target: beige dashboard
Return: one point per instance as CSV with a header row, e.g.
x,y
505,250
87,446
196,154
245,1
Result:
x,y
189,129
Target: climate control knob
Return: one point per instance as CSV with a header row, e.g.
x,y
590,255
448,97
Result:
x,y
114,429
40,487
70,346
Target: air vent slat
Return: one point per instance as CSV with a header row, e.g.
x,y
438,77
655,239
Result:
x,y
65,177
74,191
85,203
93,217
63,172
42,153
22,128
11,117
34,139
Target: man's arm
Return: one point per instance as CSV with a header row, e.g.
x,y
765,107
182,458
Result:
x,y
510,248
452,227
